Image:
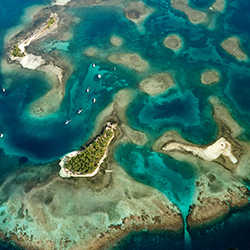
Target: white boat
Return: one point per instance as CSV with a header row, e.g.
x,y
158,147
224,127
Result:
x,y
93,65
87,90
1,135
79,111
99,76
108,171
114,68
94,100
68,121
4,89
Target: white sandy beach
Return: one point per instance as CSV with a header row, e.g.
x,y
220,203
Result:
x,y
61,2
210,153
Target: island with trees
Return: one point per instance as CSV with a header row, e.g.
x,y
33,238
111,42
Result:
x,y
86,163
16,52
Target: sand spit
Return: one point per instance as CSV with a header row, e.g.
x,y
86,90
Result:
x,y
194,16
207,153
232,46
173,42
137,11
156,84
210,76
116,111
130,60
116,41
51,101
222,116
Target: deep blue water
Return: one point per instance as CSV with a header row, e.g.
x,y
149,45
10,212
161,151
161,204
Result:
x,y
185,108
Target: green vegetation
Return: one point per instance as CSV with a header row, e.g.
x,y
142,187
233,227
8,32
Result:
x,y
51,21
16,52
88,160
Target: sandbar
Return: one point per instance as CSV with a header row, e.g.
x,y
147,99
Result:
x,y
156,84
91,52
130,60
173,42
210,76
232,46
218,5
224,118
194,16
116,41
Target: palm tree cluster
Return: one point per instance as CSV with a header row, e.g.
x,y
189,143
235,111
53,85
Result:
x,y
87,160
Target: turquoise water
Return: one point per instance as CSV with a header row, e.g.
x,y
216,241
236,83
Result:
x,y
174,179
185,108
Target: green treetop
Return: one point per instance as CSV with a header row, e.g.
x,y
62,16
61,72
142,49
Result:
x,y
51,21
16,52
87,160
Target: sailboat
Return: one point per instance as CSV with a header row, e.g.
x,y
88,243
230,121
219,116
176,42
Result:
x,y
67,121
3,89
79,111
94,100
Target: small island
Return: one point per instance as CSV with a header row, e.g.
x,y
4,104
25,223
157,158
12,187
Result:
x,y
19,50
232,46
210,76
130,60
156,84
195,16
173,42
87,162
